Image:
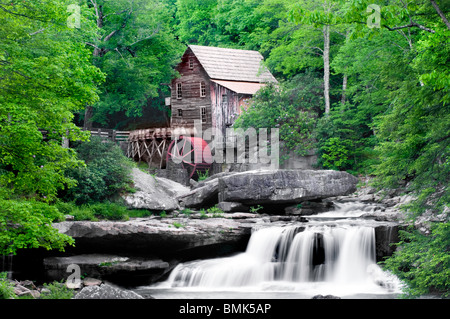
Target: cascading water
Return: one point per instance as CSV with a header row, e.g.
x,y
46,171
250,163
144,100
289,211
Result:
x,y
316,257
6,265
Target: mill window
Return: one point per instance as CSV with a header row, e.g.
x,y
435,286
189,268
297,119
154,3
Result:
x,y
225,100
202,89
179,91
203,114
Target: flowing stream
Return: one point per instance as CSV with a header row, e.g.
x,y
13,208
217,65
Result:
x,y
333,253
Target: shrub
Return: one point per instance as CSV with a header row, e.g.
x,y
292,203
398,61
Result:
x,y
57,290
96,211
215,211
105,175
6,288
110,211
423,262
203,176
335,154
28,224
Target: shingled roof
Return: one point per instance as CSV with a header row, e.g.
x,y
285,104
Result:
x,y
232,64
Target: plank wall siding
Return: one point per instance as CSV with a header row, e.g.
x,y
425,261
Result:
x,y
191,103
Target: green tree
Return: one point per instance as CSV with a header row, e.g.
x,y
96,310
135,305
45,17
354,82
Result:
x,y
423,261
105,175
135,47
292,107
45,76
28,224
412,127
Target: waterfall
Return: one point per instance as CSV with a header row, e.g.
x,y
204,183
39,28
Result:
x,y
332,254
7,265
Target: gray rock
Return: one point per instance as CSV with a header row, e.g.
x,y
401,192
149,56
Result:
x,y
91,282
99,265
232,207
284,186
268,187
154,193
205,195
106,291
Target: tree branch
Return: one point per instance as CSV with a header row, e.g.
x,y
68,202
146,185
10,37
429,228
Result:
x,y
109,36
440,13
21,15
92,45
34,33
146,38
412,24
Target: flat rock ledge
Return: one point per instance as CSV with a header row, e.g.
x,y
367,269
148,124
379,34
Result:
x,y
155,235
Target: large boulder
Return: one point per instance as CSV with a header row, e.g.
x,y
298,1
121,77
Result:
x,y
204,195
154,193
269,187
284,186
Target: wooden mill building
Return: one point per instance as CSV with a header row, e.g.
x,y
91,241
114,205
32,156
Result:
x,y
214,85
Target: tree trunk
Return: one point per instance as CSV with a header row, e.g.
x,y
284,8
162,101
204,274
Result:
x,y
344,88
440,13
89,111
326,66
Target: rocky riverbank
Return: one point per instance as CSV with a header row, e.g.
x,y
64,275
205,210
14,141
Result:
x,y
145,250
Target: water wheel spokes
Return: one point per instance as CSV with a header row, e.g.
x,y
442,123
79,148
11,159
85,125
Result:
x,y
191,153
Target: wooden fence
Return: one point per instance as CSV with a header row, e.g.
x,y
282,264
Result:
x,y
113,135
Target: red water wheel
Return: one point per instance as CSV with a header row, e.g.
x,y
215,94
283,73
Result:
x,y
192,153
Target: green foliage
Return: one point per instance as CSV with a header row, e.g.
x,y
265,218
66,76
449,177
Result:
x,y
177,225
100,211
335,154
137,50
203,176
28,224
423,261
6,288
187,212
57,290
256,209
290,108
203,214
105,176
215,211
45,77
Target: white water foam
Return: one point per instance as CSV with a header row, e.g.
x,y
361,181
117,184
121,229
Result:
x,y
321,259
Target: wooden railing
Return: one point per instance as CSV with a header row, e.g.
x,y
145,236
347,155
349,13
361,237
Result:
x,y
113,135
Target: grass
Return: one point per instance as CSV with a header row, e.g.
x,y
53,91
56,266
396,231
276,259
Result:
x,y
177,225
100,211
215,211
57,290
203,176
6,288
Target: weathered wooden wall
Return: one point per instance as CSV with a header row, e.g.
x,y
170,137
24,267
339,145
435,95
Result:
x,y
224,114
191,102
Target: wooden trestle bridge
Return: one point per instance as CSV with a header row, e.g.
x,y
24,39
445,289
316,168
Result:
x,y
160,146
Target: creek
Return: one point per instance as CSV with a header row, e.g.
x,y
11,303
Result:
x,y
333,253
